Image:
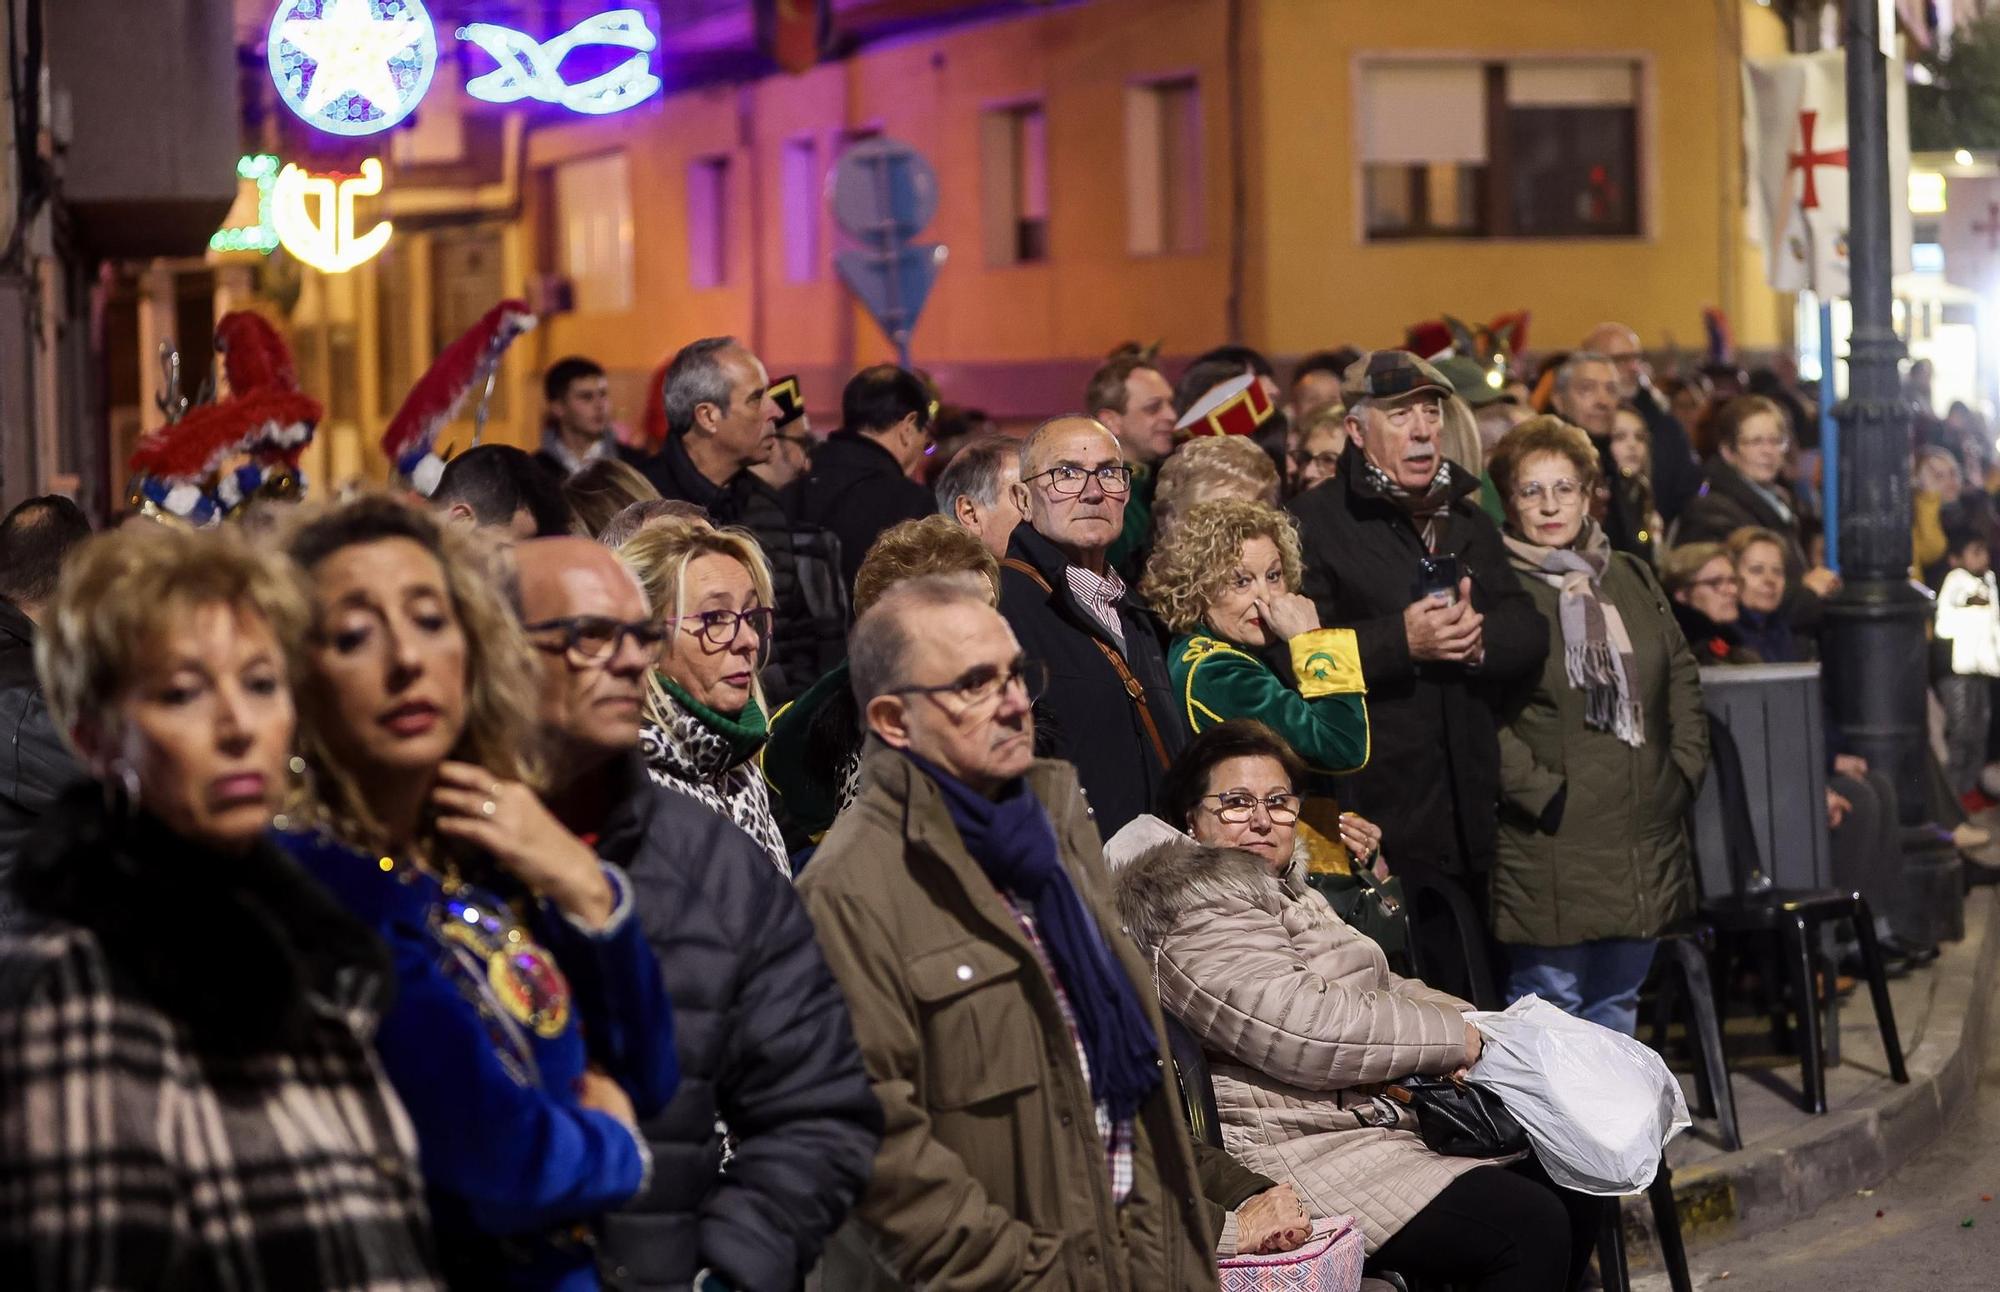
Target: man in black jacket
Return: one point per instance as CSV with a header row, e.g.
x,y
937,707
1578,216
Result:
x,y
1435,664
1110,706
859,484
767,1050
35,762
721,421
1676,471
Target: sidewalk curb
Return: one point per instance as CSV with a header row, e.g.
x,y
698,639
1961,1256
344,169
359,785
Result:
x,y
1769,1185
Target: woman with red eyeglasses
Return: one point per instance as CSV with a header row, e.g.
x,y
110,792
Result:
x,y
710,589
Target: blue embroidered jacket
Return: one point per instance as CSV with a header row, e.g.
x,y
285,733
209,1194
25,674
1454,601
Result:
x,y
487,1052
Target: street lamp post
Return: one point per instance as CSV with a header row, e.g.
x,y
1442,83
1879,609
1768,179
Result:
x,y
1877,658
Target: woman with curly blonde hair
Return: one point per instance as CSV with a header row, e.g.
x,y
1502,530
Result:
x,y
705,720
1226,581
423,819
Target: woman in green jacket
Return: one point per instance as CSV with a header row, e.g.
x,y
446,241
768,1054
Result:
x,y
1599,755
1225,579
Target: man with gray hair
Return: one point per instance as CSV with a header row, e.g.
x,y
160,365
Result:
x,y
1676,477
977,490
721,421
1111,708
1009,1027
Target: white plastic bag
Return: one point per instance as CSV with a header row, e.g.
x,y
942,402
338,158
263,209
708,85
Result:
x,y
1599,1106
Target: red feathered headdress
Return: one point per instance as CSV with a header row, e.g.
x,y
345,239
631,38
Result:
x,y
442,390
264,417
1505,336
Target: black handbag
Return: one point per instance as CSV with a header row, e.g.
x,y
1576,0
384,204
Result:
x,y
1368,905
1457,1119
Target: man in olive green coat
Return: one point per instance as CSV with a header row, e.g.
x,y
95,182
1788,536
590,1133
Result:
x,y
1003,1165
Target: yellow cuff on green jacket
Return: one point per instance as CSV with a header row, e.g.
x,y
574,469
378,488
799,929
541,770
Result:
x,y
1327,661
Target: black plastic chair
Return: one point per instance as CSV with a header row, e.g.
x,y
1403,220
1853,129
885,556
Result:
x,y
1791,919
1197,1086
1475,947
1612,1266
1686,948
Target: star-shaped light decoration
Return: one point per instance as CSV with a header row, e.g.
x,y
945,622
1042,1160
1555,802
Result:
x,y
352,67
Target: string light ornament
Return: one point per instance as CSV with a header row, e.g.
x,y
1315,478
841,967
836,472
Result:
x,y
325,238
472,360
529,68
205,463
352,67
260,169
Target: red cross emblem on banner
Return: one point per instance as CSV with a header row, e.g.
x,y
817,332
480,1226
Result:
x,y
1991,228
1807,160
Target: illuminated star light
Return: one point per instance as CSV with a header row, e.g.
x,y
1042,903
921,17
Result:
x,y
354,47
532,69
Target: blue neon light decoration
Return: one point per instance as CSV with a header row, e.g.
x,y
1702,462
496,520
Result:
x,y
529,68
352,67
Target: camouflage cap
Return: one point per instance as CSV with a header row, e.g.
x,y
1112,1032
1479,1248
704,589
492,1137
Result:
x,y
1389,374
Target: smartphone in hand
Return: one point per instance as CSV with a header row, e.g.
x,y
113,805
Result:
x,y
1438,577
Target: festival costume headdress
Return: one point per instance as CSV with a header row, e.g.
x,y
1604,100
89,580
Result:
x,y
472,360
210,459
1234,407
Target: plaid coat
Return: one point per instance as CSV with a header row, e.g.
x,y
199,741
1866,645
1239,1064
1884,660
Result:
x,y
150,1141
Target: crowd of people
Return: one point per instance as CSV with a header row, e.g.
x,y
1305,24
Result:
x,y
760,858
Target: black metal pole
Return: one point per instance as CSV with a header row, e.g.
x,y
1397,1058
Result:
x,y
1876,655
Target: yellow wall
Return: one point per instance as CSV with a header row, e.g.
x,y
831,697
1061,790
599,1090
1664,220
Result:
x,y
1326,284
1310,280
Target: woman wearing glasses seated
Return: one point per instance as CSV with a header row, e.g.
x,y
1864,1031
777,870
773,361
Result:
x,y
1226,581
1304,1021
1599,755
705,722
507,934
1706,591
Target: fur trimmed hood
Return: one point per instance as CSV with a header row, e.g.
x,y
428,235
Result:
x,y
1164,883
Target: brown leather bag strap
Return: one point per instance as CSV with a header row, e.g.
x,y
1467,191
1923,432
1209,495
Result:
x,y
1133,687
1016,563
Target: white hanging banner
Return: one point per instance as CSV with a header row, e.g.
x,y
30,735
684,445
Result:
x,y
1795,133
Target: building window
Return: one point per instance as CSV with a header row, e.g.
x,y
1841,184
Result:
x,y
593,228
1163,198
707,222
1523,149
799,194
1014,184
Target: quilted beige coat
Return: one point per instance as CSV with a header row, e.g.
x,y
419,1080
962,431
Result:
x,y
1303,1022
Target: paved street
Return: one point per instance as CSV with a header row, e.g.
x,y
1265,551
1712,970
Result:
x,y
1919,1241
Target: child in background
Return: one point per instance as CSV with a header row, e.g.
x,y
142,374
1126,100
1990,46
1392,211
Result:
x,y
1968,616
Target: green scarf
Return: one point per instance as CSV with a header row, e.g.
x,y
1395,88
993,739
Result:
x,y
742,735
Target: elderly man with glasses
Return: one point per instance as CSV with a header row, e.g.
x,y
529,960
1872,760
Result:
x,y
1397,548
1110,706
1010,1028
765,1043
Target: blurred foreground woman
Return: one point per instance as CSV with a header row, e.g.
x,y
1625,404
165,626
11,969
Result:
x,y
189,1097
531,1029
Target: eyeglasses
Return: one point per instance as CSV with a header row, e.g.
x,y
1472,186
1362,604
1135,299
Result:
x,y
722,627
805,442
1718,581
1236,809
1565,491
1763,441
979,687
1066,481
1328,462
595,639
